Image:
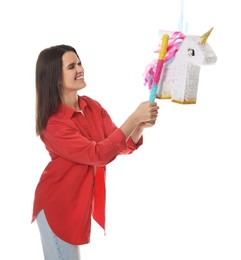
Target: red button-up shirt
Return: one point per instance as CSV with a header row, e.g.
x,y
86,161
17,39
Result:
x,y
72,186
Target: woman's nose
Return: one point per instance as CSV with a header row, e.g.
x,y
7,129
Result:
x,y
80,68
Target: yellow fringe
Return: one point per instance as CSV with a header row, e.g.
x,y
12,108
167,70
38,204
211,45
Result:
x,y
184,102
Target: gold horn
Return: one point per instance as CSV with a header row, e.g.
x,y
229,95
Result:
x,y
204,37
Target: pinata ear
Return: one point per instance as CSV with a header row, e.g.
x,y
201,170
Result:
x,y
205,36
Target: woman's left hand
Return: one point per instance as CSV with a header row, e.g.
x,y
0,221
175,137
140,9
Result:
x,y
147,124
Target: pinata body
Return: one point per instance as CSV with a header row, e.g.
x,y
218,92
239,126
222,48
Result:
x,y
181,70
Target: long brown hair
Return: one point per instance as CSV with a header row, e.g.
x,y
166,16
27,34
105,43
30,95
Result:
x,y
48,76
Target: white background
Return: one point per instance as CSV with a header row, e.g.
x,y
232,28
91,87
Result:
x,y
178,196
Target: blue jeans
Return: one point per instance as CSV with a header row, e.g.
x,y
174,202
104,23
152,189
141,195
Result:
x,y
53,247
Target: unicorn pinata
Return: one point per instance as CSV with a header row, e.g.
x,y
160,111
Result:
x,y
180,73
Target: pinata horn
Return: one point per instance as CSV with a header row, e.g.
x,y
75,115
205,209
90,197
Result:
x,y
205,36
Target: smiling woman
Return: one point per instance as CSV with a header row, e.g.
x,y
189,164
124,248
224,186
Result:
x,y
73,79
72,186
182,186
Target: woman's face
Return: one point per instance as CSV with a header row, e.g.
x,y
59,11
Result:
x,y
72,73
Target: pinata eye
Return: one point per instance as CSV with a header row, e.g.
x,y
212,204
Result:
x,y
191,52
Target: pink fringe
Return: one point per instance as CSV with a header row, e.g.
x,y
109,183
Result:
x,y
174,43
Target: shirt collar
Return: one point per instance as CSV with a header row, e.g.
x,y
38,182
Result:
x,y
67,112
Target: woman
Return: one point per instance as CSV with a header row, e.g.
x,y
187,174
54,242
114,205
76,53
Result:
x,y
81,139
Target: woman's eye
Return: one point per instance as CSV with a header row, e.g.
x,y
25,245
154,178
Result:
x,y
191,52
73,65
70,67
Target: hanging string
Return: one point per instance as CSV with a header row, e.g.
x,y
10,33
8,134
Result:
x,y
181,19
